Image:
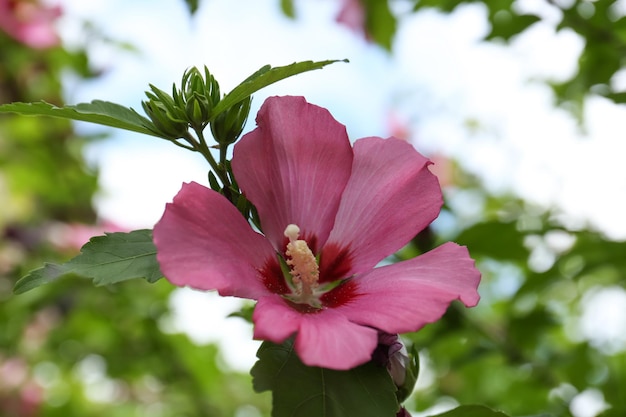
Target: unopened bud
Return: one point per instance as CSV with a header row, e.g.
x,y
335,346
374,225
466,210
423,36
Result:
x,y
166,124
200,95
229,124
198,111
402,366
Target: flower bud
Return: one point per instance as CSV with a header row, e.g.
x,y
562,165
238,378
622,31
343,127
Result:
x,y
199,95
197,111
229,124
402,366
165,123
190,106
165,112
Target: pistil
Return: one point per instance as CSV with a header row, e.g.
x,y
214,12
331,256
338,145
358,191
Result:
x,y
304,269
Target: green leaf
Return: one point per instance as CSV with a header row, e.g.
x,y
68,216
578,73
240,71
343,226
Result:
x,y
472,411
192,5
619,97
264,77
505,25
115,115
380,23
105,259
443,5
496,240
302,391
244,313
598,253
287,7
100,112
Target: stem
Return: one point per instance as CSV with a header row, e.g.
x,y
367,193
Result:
x,y
218,168
223,150
190,147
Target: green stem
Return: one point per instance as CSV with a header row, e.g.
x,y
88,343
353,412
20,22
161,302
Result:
x,y
190,147
218,168
223,150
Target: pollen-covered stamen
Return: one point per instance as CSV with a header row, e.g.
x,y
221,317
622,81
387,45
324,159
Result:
x,y
303,265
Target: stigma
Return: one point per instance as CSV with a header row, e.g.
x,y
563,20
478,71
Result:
x,y
303,266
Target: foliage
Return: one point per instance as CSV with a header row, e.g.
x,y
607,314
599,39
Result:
x,y
98,111
103,351
106,259
192,5
299,390
115,115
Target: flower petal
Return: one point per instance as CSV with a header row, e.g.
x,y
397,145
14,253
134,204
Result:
x,y
352,15
329,340
31,24
293,167
325,338
204,242
391,196
403,297
274,319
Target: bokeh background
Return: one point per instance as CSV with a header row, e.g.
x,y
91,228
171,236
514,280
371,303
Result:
x,y
516,102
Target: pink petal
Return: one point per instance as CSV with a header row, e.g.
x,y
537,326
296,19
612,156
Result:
x,y
352,15
30,23
403,297
391,196
38,35
274,319
293,167
325,338
204,242
329,340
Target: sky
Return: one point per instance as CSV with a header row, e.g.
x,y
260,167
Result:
x,y
440,79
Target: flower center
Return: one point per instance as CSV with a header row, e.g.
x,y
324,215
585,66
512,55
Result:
x,y
303,268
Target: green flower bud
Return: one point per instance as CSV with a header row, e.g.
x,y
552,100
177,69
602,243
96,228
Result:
x,y
166,102
166,113
410,362
197,111
190,106
200,94
166,125
403,367
229,124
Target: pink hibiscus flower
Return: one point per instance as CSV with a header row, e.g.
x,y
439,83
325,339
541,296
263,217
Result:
x,y
330,213
29,22
352,15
